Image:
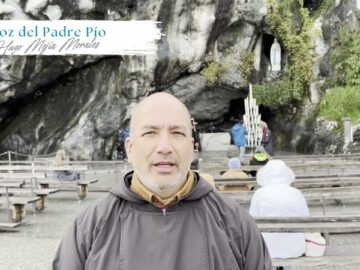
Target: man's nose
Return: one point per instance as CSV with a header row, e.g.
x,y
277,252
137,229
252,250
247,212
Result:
x,y
164,144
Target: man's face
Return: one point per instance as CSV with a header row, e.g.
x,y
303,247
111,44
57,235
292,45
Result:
x,y
160,145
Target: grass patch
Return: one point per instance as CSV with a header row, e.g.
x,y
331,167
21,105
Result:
x,y
346,58
341,102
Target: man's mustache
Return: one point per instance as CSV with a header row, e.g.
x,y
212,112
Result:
x,y
164,159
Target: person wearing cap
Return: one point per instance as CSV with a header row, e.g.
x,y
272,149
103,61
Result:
x,y
276,198
162,215
235,171
260,157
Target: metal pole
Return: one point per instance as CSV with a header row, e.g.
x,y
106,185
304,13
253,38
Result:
x,y
9,156
116,173
33,183
8,204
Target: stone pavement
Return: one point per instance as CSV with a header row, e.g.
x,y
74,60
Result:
x,y
33,246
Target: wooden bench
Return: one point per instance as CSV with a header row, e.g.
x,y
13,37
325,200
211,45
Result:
x,y
17,184
8,226
337,255
42,193
311,157
323,224
301,169
319,158
301,183
17,206
298,160
323,227
15,177
36,172
296,164
19,175
300,178
311,193
312,196
41,168
329,259
19,179
83,185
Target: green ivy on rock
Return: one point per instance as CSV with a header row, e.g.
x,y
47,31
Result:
x,y
291,23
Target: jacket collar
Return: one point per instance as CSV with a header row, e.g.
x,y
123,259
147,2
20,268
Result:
x,y
138,188
123,190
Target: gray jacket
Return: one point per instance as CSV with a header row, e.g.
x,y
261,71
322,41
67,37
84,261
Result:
x,y
203,231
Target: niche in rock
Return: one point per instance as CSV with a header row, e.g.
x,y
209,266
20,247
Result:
x,y
266,115
276,63
312,5
236,109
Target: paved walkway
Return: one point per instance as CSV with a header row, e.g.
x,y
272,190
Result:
x,y
33,246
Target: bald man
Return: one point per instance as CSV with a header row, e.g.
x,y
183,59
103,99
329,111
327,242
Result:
x,y
162,216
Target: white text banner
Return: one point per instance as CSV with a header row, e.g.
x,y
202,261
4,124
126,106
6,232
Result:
x,y
70,37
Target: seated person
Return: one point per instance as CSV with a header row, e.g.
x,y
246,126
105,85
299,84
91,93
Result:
x,y
276,198
197,142
260,157
65,175
121,152
195,167
235,171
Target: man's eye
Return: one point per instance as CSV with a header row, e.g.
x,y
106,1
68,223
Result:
x,y
148,133
179,133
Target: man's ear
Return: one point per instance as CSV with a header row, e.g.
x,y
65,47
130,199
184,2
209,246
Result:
x,y
128,147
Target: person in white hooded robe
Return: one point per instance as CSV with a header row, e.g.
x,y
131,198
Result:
x,y
276,198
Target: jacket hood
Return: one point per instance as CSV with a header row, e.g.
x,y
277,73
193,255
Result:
x,y
275,172
122,189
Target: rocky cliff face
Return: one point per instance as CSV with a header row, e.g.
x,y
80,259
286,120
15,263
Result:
x,y
84,101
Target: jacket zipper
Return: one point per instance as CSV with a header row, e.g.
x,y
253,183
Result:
x,y
164,211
